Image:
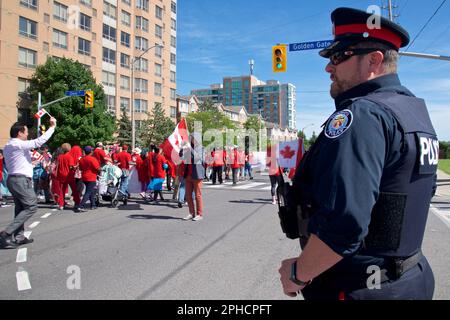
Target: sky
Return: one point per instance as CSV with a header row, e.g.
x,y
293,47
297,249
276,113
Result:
x,y
217,38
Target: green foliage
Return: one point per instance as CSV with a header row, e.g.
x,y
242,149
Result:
x,y
156,128
124,133
75,123
444,149
444,165
207,105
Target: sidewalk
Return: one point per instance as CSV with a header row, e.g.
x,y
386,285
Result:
x,y
443,182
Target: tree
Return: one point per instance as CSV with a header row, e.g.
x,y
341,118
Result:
x,y
76,124
156,128
207,105
313,138
124,124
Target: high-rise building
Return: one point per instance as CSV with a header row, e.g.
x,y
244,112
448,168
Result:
x,y
103,35
276,102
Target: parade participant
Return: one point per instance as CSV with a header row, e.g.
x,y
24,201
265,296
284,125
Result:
x,y
20,172
100,154
123,159
274,170
194,172
76,154
366,183
89,167
217,165
159,165
66,176
235,164
248,165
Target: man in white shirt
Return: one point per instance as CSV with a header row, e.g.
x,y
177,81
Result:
x,y
20,174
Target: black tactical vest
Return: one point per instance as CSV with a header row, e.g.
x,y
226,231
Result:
x,y
399,216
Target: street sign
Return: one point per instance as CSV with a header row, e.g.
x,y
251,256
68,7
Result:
x,y
309,45
79,93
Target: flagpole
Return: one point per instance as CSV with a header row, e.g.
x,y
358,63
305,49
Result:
x,y
39,108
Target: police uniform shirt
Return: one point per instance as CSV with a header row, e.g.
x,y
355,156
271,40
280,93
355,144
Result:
x,y
358,141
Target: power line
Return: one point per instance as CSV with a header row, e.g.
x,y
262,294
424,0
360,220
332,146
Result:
x,y
426,24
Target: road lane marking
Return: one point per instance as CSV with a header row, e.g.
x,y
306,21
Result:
x,y
23,281
27,234
444,216
250,185
21,255
54,209
266,188
45,216
33,225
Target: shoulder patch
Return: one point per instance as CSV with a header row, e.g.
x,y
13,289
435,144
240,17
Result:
x,y
338,123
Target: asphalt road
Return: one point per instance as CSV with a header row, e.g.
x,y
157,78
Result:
x,y
143,251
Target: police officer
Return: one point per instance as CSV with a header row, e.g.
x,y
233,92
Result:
x,y
365,186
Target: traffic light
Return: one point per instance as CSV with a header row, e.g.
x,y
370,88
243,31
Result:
x,y
89,99
279,58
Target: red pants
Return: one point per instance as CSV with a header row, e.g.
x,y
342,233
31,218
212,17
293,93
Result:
x,y
63,187
196,186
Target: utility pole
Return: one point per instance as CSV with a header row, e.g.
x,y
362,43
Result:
x,y
390,9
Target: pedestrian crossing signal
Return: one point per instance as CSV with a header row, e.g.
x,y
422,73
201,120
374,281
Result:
x,y
279,58
89,99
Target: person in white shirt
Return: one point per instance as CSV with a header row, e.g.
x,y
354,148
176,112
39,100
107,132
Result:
x,y
20,174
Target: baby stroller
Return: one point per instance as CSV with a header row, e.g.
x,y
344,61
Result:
x,y
108,185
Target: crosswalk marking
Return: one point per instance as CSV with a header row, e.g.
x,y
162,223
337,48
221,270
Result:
x,y
444,216
266,188
259,186
249,185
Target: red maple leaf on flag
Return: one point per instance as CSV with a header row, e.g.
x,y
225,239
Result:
x,y
287,153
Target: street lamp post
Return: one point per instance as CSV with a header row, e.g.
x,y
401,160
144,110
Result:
x,y
133,125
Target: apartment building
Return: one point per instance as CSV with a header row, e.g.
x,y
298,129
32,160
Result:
x,y
274,101
105,36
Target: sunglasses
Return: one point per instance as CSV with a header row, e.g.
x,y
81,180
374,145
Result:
x,y
341,56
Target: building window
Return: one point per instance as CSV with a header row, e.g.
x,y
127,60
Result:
x,y
32,4
124,104
109,10
141,43
24,84
173,7
27,58
125,39
59,39
59,11
173,112
124,82
142,4
158,70
109,55
158,90
173,58
111,104
84,47
140,105
173,24
85,22
127,2
126,18
109,32
140,85
124,60
173,94
172,76
158,51
141,64
109,79
173,41
158,12
141,23
27,28
87,3
158,31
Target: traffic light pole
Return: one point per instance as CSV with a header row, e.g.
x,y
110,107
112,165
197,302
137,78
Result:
x,y
424,55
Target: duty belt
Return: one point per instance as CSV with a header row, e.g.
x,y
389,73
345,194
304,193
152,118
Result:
x,y
398,266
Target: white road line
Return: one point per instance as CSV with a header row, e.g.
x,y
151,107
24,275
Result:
x,y
249,185
45,216
21,255
54,209
27,234
266,188
444,216
23,281
33,225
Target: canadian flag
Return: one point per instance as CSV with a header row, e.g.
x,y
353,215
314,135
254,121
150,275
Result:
x,y
289,154
36,156
40,113
172,145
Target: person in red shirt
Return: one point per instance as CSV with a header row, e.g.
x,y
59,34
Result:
x,y
143,172
123,161
217,164
159,164
65,175
89,167
274,170
235,165
100,154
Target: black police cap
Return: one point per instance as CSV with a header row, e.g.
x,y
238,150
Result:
x,y
352,26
